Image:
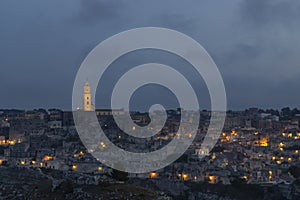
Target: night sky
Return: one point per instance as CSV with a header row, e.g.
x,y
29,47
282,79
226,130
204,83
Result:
x,y
255,44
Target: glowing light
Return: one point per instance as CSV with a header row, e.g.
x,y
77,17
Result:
x,y
270,173
255,133
283,134
81,153
297,151
22,162
103,145
133,128
264,142
41,164
281,145
281,158
74,167
11,142
213,157
90,150
290,159
227,138
290,135
245,178
184,176
153,175
211,178
278,162
47,158
273,158
1,161
233,133
33,162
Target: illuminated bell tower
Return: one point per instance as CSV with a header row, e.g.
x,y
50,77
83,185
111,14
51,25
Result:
x,y
87,98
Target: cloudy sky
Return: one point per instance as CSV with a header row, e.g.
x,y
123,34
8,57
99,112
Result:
x,y
254,43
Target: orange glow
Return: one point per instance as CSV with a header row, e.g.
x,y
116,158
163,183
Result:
x,y
233,133
33,162
100,168
290,135
74,167
1,161
46,158
270,173
213,157
227,138
245,178
11,142
41,164
184,176
22,162
212,178
297,151
264,142
290,159
153,175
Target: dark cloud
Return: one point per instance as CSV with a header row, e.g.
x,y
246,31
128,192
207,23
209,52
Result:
x,y
276,12
177,21
93,11
255,44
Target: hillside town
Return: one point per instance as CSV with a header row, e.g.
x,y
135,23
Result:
x,y
256,147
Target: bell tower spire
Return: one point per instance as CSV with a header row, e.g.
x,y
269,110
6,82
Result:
x,y
87,97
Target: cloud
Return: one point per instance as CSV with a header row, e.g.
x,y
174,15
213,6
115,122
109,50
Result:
x,y
93,11
278,12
